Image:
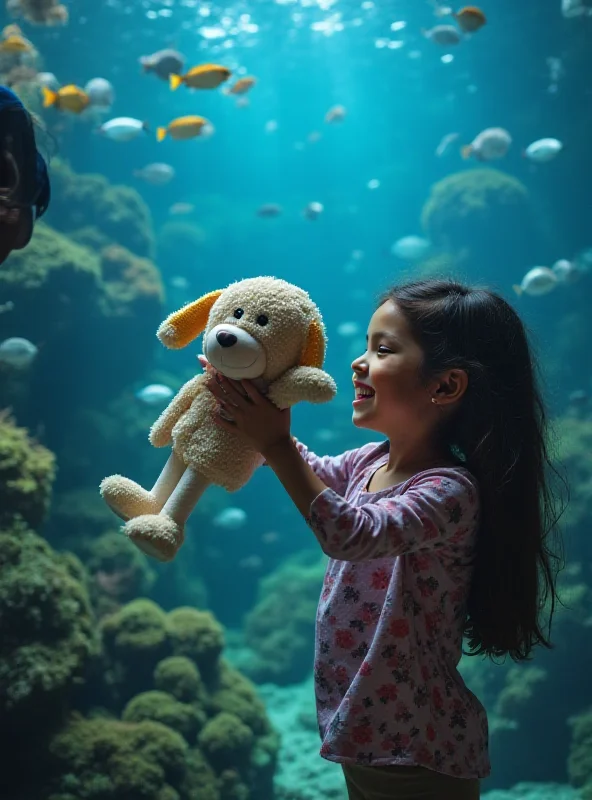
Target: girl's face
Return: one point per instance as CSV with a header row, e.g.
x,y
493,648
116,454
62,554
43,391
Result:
x,y
390,367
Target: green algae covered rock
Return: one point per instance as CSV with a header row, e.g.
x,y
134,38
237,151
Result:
x,y
54,285
471,203
225,740
184,718
484,218
196,634
118,212
104,759
179,677
48,633
280,628
27,472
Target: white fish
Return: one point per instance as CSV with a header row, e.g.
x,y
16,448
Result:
x,y
17,352
155,394
411,248
575,8
348,329
444,35
230,518
490,144
445,143
313,210
271,126
373,184
335,114
567,271
543,150
49,80
100,92
123,129
537,281
156,174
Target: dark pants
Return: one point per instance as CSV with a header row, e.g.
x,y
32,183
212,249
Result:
x,y
406,783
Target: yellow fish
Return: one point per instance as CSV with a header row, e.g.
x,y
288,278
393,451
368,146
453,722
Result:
x,y
183,128
243,85
68,98
15,44
206,76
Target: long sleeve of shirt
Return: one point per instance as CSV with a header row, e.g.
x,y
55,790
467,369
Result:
x,y
334,471
427,515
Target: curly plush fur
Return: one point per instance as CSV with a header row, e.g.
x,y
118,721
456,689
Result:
x,y
264,329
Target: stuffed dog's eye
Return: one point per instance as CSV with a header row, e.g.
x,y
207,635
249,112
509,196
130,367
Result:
x,y
238,313
262,319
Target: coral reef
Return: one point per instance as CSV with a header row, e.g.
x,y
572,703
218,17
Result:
x,y
39,12
48,632
27,471
580,754
118,212
119,572
483,214
75,306
280,628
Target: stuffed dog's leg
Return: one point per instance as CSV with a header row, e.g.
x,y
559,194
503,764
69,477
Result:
x,y
185,496
128,499
161,535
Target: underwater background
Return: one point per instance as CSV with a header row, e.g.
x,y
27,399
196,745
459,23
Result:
x,y
124,678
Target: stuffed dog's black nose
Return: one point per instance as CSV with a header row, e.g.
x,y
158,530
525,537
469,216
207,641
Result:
x,y
225,339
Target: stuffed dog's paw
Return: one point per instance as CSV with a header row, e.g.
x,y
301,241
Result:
x,y
157,535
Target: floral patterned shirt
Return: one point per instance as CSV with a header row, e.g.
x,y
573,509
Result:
x,y
391,613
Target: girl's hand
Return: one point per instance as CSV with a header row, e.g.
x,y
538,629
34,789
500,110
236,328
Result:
x,y
245,411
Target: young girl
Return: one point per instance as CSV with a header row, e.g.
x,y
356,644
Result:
x,y
436,533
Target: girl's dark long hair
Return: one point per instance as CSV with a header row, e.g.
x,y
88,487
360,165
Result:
x,y
501,430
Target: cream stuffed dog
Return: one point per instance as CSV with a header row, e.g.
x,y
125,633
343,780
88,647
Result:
x,y
262,329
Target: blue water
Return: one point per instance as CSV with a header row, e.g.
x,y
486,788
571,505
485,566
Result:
x,y
402,93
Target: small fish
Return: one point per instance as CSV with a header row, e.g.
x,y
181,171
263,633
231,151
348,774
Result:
x,y
578,398
537,282
335,114
251,562
444,35
230,518
7,306
567,271
101,93
49,80
181,209
490,144
445,143
16,44
470,19
411,248
123,129
313,210
543,150
347,329
155,394
271,126
183,128
206,76
242,85
69,98
269,210
163,63
373,184
156,174
17,352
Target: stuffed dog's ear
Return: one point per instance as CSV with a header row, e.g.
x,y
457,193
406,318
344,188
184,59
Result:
x,y
185,325
314,347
